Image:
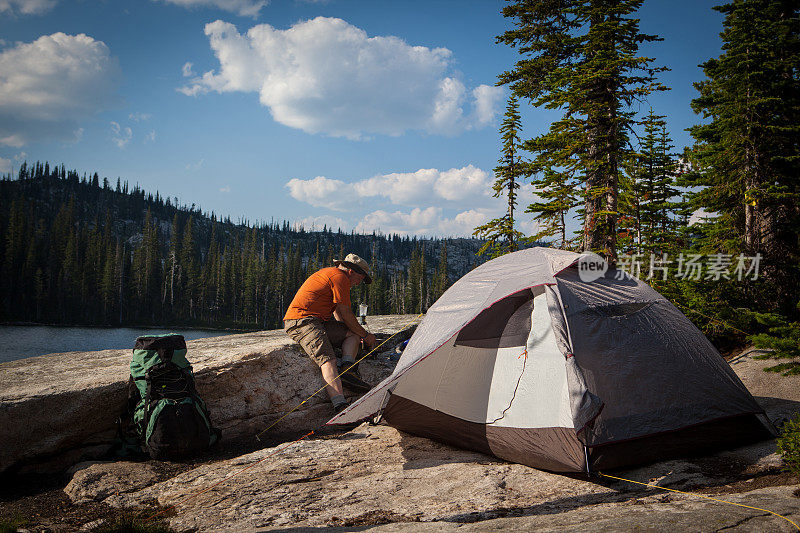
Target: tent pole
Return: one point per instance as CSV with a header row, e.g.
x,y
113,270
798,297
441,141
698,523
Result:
x,y
586,456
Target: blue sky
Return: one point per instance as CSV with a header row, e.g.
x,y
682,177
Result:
x,y
365,115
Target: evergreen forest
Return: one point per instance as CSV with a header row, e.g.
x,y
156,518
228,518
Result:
x,y
81,250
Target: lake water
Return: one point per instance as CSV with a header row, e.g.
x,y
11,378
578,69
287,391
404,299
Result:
x,y
20,342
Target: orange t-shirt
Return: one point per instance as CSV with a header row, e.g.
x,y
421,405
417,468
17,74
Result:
x,y
319,295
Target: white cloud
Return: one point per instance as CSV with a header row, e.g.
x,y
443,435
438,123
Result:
x,y
121,136
417,221
187,70
465,185
487,103
48,86
447,115
244,8
26,7
434,202
401,188
322,192
6,165
150,137
226,188
140,117
528,226
326,76
429,221
526,195
464,223
462,183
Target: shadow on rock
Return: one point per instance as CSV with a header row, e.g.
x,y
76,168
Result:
x,y
560,505
425,453
362,522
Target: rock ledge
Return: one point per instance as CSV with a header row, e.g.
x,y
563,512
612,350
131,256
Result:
x,y
59,408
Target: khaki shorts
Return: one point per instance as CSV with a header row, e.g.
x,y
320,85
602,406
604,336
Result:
x,y
317,337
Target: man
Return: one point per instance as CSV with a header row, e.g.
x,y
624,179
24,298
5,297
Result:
x,y
321,317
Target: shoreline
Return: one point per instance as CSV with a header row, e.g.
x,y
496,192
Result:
x,y
110,326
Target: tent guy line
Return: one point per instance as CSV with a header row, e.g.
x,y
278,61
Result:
x,y
699,496
173,506
285,446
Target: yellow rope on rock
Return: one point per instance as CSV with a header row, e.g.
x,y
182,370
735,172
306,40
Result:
x,y
700,496
416,319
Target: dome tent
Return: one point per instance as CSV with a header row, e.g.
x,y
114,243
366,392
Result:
x,y
523,360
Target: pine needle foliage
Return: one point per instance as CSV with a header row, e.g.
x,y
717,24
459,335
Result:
x,y
789,445
648,192
581,57
72,252
500,235
783,339
746,153
558,194
12,524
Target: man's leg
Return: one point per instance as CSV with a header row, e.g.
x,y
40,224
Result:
x,y
351,377
331,377
341,336
350,348
313,338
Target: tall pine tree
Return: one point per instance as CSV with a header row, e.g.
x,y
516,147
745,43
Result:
x,y
648,190
581,57
747,153
500,235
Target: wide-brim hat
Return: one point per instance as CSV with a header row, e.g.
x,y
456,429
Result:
x,y
356,263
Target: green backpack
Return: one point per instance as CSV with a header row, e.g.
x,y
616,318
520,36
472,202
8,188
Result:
x,y
164,411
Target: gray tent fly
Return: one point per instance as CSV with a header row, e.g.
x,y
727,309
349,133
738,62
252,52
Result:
x,y
523,359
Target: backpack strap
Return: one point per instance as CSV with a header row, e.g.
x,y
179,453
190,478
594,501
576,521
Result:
x,y
126,415
147,410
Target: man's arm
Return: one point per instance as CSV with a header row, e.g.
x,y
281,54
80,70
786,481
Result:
x,y
344,313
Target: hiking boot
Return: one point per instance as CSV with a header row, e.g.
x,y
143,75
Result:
x,y
341,407
336,427
352,379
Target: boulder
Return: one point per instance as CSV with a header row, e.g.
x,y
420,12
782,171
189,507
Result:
x,y
97,481
56,409
376,475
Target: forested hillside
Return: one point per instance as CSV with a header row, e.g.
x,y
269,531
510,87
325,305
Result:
x,y
81,250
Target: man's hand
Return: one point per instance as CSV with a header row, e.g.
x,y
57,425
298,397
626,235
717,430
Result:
x,y
370,341
343,313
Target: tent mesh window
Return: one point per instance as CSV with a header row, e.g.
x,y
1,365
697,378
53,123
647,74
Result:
x,y
504,324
